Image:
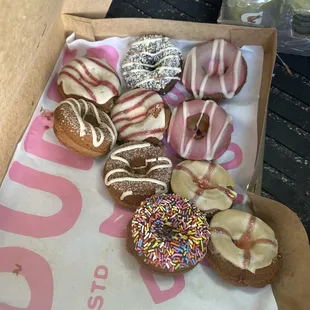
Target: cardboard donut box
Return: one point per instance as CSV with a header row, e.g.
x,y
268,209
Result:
x,y
34,34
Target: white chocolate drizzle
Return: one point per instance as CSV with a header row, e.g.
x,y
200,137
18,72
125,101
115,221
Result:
x,y
192,59
114,156
96,132
125,194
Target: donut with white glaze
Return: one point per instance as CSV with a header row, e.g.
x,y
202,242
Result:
x,y
83,128
139,115
243,249
214,70
135,171
200,130
205,183
92,79
153,62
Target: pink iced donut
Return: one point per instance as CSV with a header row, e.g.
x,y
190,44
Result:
x,y
214,70
200,130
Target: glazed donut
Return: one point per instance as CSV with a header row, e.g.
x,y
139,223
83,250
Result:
x,y
135,171
140,114
168,234
243,249
92,79
153,62
207,184
200,130
84,129
214,70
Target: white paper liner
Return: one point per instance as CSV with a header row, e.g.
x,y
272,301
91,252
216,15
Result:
x,y
63,239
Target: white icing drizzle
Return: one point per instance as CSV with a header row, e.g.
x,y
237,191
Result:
x,y
210,148
125,194
97,133
171,122
157,69
132,179
147,65
192,57
157,53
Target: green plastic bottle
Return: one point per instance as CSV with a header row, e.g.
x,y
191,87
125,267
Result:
x,y
301,17
264,13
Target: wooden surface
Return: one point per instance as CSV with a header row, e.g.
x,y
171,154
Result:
x,y
286,175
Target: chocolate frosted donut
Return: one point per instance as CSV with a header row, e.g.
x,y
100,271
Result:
x,y
153,62
139,115
83,128
135,171
168,234
243,249
214,70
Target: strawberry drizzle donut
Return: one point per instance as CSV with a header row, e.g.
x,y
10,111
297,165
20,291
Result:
x,y
207,184
200,130
243,249
214,70
83,128
92,79
140,114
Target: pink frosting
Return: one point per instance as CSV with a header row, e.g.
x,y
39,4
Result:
x,y
214,67
213,144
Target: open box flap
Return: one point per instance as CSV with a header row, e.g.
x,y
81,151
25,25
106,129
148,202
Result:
x,y
291,288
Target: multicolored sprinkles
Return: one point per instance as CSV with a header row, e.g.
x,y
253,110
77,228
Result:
x,y
170,232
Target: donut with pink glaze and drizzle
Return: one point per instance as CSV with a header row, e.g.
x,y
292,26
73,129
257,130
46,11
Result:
x,y
141,115
214,70
91,79
200,130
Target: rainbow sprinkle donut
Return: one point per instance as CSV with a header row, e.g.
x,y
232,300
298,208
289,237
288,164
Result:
x,y
168,234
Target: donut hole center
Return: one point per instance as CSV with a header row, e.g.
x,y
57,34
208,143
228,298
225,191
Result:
x,y
213,69
139,166
91,119
244,243
199,124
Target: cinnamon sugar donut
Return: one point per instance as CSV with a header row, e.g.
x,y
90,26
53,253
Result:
x,y
140,114
214,70
84,129
207,184
200,130
153,62
135,171
243,249
92,79
168,234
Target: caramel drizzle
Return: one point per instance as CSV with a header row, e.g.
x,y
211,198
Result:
x,y
204,183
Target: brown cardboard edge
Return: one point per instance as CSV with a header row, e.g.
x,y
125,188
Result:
x,y
43,63
291,288
87,8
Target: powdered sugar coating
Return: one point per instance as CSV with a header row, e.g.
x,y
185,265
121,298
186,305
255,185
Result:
x,y
152,62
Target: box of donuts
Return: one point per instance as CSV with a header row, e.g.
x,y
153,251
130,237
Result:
x,y
130,164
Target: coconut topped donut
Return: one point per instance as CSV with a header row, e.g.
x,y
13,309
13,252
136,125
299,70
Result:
x,y
90,78
135,171
80,126
243,239
214,70
207,184
152,62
